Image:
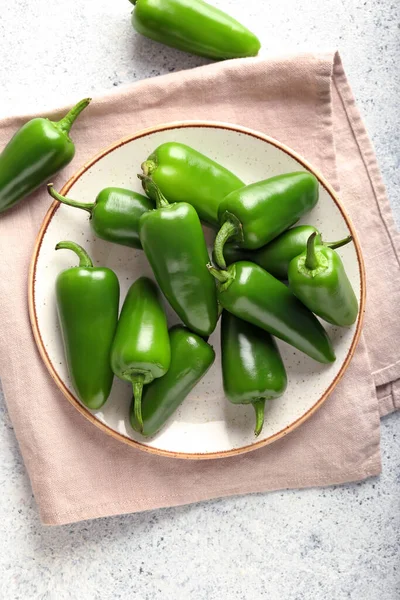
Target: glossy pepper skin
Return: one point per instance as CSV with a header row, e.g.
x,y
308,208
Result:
x,y
194,26
318,278
87,305
115,214
141,350
173,241
185,175
252,367
256,214
36,152
252,294
191,357
275,257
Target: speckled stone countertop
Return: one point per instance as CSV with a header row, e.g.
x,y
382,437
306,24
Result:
x,y
333,543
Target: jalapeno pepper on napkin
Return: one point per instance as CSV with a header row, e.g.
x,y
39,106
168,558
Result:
x,y
173,241
115,214
252,367
36,152
185,175
141,349
256,214
318,278
275,257
87,305
191,357
252,294
194,26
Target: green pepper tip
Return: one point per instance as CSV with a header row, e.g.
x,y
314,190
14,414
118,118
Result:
x,y
66,122
220,275
230,229
146,179
137,383
311,255
339,243
153,191
259,407
84,206
84,258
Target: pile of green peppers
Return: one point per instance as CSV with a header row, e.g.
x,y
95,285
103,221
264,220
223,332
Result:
x,y
258,247
270,278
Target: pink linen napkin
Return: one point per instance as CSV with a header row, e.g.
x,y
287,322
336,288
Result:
x,y
78,472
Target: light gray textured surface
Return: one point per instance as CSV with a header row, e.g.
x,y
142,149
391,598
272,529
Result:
x,y
333,543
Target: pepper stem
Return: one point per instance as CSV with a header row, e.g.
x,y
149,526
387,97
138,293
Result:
x,y
311,256
153,191
84,258
221,276
226,232
339,243
137,383
259,407
133,2
66,122
68,201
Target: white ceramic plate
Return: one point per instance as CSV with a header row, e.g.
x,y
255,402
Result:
x,y
206,425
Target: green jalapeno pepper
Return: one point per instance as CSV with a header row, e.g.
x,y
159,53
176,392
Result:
x,y
173,241
87,305
194,26
185,175
115,214
276,256
318,278
141,350
252,367
191,357
36,152
252,294
258,213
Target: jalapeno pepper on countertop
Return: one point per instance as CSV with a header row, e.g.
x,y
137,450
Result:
x,y
191,357
36,152
115,214
194,26
256,214
185,175
173,241
318,278
275,257
87,304
252,294
252,367
141,350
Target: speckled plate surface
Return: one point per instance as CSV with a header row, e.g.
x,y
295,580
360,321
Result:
x,y
206,425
